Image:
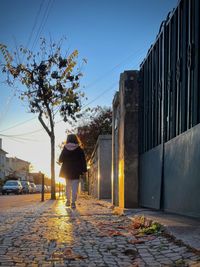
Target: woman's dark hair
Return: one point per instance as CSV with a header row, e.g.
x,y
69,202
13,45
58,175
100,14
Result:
x,y
72,138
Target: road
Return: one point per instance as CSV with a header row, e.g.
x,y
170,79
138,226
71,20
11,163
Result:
x,y
16,201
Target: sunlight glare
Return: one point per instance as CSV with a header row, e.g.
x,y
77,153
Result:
x,y
60,180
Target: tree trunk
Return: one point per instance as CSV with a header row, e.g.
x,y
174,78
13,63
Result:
x,y
53,193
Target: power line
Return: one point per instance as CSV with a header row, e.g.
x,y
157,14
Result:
x,y
103,93
10,98
17,138
24,134
18,57
35,23
43,22
6,107
17,51
18,124
45,17
13,139
84,106
115,67
42,129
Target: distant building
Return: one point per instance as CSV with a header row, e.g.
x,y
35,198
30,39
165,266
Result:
x,y
2,161
35,177
18,168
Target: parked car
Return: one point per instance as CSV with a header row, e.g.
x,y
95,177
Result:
x,y
48,188
33,188
38,188
45,189
12,186
26,187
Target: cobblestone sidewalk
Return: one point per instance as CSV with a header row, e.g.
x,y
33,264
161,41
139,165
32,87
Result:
x,y
49,234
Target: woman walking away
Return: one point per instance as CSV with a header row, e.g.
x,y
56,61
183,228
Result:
x,y
73,162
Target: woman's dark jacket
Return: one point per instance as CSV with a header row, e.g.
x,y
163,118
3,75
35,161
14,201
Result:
x,y
73,163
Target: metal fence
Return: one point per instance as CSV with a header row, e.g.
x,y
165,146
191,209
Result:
x,y
169,76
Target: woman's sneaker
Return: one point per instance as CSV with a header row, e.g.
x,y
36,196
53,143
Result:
x,y
73,205
67,204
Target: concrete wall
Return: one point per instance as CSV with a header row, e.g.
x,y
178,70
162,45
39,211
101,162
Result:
x,y
150,178
100,168
93,176
180,171
169,173
182,174
125,142
105,157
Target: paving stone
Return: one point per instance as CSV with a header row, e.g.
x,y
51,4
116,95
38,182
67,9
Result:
x,y
52,235
165,261
197,258
175,257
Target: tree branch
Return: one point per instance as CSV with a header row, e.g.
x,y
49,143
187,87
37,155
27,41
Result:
x,y
43,124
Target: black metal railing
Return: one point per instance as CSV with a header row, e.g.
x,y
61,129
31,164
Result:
x,y
169,77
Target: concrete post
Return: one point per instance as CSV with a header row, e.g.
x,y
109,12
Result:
x,y
128,140
115,150
105,157
100,168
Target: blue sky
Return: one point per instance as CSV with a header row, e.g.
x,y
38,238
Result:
x,y
114,35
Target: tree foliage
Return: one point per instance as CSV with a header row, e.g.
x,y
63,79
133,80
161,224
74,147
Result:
x,y
50,82
99,122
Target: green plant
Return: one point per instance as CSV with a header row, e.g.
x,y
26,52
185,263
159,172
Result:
x,y
152,229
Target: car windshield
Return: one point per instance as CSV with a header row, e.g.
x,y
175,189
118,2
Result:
x,y
11,183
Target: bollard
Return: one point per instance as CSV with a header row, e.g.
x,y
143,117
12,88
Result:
x,y
42,192
88,177
59,189
63,190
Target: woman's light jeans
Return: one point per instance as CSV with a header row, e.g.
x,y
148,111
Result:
x,y
72,189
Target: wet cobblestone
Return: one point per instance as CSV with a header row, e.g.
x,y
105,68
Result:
x,y
50,234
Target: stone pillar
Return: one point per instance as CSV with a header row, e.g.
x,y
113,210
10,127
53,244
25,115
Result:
x,y
115,150
128,140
